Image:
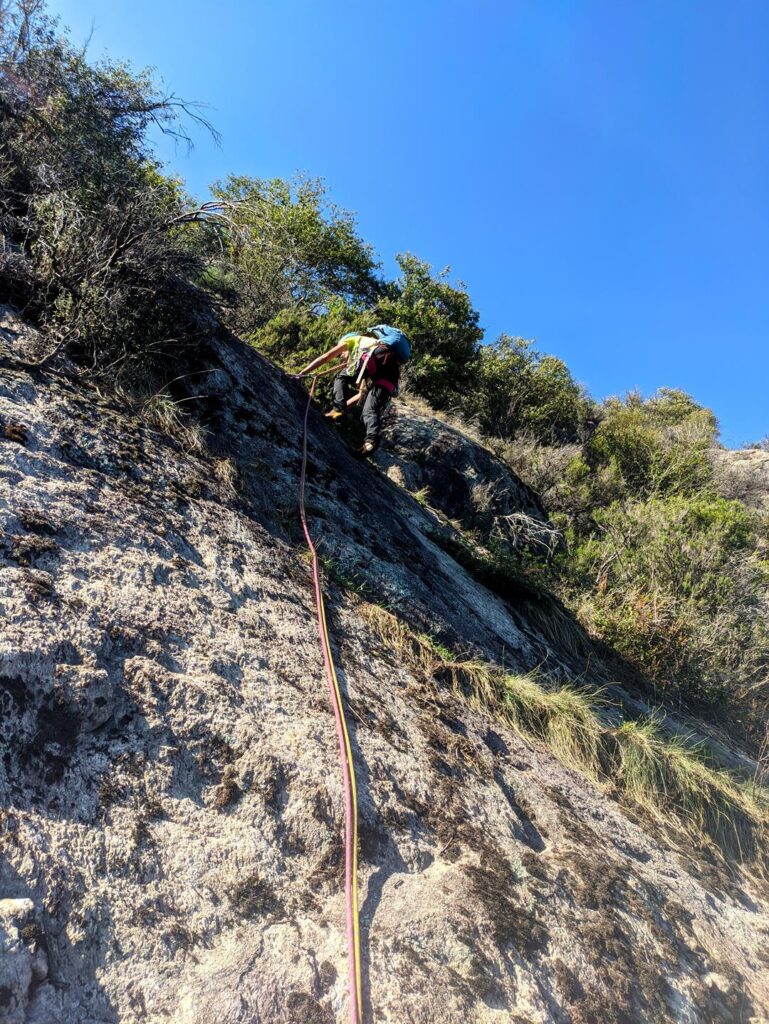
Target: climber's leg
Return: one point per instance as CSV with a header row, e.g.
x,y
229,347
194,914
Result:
x,y
375,404
342,385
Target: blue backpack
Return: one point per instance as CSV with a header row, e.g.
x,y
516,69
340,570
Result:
x,y
394,339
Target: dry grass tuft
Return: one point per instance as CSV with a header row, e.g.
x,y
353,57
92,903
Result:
x,y
167,416
665,775
422,496
676,782
226,473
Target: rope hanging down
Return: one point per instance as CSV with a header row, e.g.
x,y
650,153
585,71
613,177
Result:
x,y
345,756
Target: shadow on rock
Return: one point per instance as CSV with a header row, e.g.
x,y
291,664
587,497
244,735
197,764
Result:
x,y
36,956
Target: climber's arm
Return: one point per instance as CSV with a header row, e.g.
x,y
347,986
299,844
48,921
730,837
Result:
x,y
332,353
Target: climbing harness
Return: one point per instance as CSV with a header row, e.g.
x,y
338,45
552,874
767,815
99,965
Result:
x,y
345,756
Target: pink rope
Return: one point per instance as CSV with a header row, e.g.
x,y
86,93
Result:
x,y
350,810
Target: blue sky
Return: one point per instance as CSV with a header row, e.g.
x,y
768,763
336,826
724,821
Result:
x,y
596,171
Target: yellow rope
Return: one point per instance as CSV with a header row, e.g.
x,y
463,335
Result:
x,y
351,790
351,763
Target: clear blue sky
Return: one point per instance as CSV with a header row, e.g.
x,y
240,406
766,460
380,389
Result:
x,y
596,171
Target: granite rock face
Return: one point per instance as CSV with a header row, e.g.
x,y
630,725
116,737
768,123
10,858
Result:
x,y
170,797
461,478
23,962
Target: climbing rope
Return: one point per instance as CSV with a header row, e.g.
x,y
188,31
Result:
x,y
345,756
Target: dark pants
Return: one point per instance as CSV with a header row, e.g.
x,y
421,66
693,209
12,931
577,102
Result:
x,y
374,404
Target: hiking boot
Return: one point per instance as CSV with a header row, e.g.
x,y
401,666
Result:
x,y
334,414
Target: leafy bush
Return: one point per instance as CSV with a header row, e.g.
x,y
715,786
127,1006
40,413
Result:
x,y
293,337
656,446
442,325
675,585
657,563
97,244
289,248
521,391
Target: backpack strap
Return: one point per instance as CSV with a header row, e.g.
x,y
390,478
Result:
x,y
384,358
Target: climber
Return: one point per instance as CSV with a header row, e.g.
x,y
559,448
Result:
x,y
373,364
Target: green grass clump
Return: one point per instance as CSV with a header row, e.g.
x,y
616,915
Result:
x,y
440,649
348,580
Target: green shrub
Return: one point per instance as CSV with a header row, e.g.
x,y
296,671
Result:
x,y
657,446
675,585
294,337
657,564
521,390
100,248
289,248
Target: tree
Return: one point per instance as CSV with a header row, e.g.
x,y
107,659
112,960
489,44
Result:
x,y
442,324
522,391
291,248
98,245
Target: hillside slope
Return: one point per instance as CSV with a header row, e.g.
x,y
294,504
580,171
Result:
x,y
745,473
170,801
